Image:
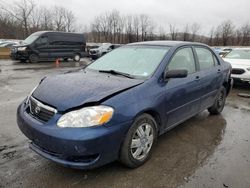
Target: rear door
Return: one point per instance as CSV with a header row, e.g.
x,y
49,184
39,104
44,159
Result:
x,y
183,94
210,77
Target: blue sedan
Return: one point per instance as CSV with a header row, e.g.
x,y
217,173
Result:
x,y
115,108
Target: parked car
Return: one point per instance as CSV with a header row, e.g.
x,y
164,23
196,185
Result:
x,y
8,44
240,61
91,46
95,53
116,107
49,45
225,51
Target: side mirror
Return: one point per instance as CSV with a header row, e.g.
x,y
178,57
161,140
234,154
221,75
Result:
x,y
178,73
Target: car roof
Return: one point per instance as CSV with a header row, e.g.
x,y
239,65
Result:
x,y
55,32
241,49
166,43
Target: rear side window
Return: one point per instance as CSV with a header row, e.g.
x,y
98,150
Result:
x,y
183,59
205,58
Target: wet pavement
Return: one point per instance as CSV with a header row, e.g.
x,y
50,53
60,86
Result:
x,y
205,151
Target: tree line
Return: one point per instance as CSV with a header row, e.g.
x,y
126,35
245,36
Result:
x,y
24,17
116,28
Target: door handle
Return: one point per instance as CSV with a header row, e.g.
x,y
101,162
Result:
x,y
197,78
218,71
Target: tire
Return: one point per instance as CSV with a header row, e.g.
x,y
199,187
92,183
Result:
x,y
77,57
143,134
33,58
219,102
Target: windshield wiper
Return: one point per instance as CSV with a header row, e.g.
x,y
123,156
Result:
x,y
118,73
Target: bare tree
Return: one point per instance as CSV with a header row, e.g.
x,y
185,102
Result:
x,y
173,31
186,33
69,21
36,17
144,23
129,28
136,25
162,33
217,35
194,30
58,15
22,12
245,29
227,30
211,37
46,19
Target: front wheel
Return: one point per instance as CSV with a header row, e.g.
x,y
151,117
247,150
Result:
x,y
139,141
219,102
33,58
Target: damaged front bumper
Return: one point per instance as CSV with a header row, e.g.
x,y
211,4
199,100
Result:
x,y
81,148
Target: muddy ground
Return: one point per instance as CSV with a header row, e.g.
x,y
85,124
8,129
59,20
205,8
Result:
x,y
205,151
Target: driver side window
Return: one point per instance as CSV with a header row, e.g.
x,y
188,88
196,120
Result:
x,y
183,59
42,41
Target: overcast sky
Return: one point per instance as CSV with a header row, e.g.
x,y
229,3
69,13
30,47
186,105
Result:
x,y
207,13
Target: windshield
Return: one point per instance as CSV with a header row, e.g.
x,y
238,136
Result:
x,y
30,39
137,61
239,54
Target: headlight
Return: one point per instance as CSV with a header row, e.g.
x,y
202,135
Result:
x,y
21,48
86,117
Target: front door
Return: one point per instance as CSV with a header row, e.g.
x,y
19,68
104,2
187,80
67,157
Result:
x,y
41,46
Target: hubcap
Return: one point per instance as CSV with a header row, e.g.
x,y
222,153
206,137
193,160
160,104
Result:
x,y
142,141
77,57
220,100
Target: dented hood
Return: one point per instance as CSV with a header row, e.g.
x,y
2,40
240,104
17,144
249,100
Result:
x,y
69,90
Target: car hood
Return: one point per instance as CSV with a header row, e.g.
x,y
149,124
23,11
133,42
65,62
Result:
x,y
238,62
94,49
70,90
19,45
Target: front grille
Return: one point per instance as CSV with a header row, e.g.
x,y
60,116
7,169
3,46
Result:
x,y
238,71
40,111
14,50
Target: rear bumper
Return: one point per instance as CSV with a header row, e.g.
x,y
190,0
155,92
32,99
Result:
x,y
81,148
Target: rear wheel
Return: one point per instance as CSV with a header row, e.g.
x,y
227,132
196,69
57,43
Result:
x,y
33,58
139,141
219,102
77,57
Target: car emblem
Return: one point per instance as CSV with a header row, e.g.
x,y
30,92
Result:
x,y
37,109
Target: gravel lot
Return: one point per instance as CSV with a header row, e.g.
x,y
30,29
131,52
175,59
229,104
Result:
x,y
205,151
